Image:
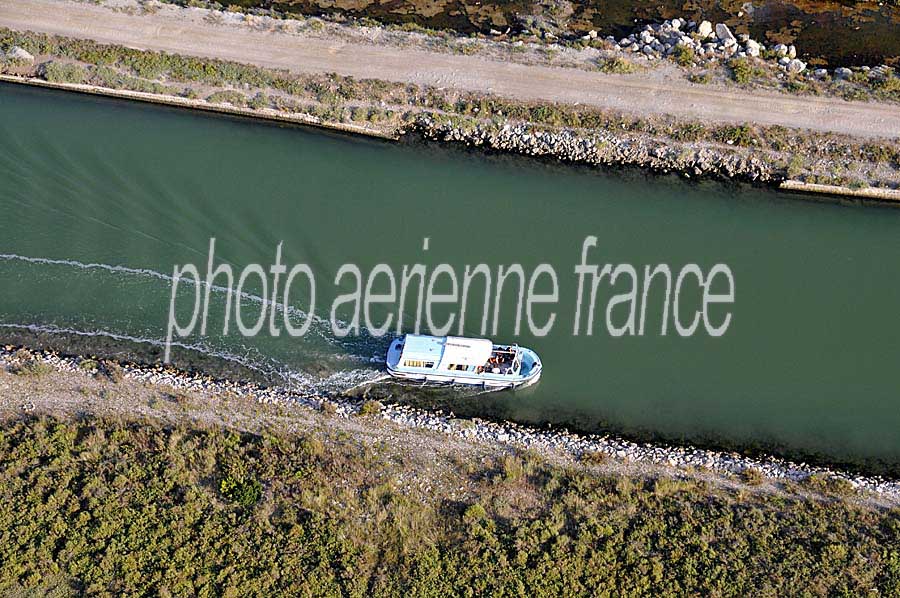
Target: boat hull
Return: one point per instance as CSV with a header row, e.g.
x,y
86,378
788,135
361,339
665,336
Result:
x,y
467,380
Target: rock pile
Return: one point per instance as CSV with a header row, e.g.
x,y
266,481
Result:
x,y
707,42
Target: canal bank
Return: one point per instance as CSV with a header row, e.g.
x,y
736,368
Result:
x,y
594,148
550,444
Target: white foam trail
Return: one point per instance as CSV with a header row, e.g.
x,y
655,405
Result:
x,y
294,380
48,329
298,314
87,266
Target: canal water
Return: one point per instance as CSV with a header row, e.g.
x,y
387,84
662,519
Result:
x,y
100,199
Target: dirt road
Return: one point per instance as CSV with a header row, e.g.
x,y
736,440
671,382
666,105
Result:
x,y
184,31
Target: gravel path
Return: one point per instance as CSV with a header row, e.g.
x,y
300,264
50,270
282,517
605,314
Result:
x,y
185,31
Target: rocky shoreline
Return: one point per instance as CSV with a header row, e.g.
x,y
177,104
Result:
x,y
476,430
602,148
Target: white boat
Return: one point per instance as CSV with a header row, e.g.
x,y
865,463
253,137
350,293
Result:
x,y
458,360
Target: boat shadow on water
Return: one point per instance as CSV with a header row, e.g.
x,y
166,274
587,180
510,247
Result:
x,y
463,400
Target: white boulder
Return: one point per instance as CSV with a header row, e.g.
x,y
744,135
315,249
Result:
x,y
796,66
18,54
724,33
704,29
752,48
842,72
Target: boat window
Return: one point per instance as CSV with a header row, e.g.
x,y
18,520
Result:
x,y
417,363
457,367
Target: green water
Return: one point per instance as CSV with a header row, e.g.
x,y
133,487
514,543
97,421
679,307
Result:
x,y
100,199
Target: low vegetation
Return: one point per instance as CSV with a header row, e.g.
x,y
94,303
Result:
x,y
112,507
617,65
63,72
684,55
744,70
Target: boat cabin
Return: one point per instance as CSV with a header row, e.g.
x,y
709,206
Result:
x,y
457,354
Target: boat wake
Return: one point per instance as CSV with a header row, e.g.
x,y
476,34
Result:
x,y
361,348
269,368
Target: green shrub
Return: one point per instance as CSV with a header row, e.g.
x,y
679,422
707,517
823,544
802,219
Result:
x,y
370,408
512,468
88,364
594,457
235,98
741,71
684,55
736,135
796,166
63,72
693,131
260,100
881,153
617,65
33,368
828,484
244,490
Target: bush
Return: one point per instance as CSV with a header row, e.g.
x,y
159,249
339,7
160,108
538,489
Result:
x,y
684,55
244,490
741,71
617,65
63,72
881,154
703,78
32,368
890,83
736,135
688,132
260,100
370,408
88,365
796,166
828,484
752,476
235,98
